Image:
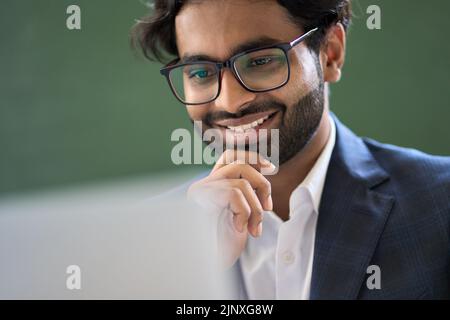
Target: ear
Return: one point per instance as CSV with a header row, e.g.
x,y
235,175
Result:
x,y
332,54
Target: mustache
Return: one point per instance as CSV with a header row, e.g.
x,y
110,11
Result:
x,y
259,107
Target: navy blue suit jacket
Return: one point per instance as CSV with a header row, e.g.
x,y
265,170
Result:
x,y
386,206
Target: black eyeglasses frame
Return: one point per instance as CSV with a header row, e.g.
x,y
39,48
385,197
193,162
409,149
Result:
x,y
230,64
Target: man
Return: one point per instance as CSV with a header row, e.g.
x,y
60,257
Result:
x,y
343,217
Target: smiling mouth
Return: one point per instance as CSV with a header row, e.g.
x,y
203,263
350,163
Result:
x,y
249,126
254,122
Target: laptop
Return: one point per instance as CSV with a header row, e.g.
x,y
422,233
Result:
x,y
99,242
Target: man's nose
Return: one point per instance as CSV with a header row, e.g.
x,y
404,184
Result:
x,y
232,95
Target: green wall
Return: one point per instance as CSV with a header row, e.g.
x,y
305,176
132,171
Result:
x,y
79,106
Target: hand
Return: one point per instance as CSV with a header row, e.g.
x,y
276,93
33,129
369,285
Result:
x,y
239,192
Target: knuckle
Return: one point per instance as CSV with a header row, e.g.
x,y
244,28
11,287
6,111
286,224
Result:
x,y
246,210
245,184
235,194
258,211
240,206
265,184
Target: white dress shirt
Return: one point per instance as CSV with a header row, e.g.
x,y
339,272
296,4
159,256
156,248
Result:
x,y
278,265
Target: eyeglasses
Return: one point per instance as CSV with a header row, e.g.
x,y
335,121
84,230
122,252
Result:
x,y
257,70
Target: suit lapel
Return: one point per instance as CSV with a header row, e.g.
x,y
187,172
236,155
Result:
x,y
351,219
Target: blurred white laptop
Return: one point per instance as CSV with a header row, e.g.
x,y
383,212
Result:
x,y
109,243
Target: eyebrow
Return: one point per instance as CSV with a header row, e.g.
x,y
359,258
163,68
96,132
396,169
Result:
x,y
253,44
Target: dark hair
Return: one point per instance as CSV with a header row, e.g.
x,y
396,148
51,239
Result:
x,y
155,34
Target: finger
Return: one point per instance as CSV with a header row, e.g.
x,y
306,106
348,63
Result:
x,y
240,209
256,214
236,195
243,171
244,157
220,195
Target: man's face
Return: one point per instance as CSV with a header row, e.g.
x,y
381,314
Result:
x,y
215,29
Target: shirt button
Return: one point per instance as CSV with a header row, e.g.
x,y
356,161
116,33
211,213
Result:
x,y
288,257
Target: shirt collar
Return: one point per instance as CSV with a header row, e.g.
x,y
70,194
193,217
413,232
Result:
x,y
312,186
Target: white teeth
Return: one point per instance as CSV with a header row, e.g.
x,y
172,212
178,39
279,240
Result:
x,y
241,129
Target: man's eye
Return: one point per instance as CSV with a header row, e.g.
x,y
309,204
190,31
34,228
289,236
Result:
x,y
260,61
199,74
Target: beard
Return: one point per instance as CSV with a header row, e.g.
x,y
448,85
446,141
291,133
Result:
x,y
298,124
